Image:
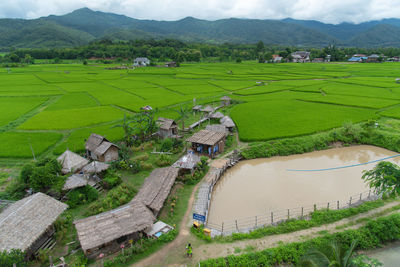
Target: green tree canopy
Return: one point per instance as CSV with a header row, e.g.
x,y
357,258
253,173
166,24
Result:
x,y
384,178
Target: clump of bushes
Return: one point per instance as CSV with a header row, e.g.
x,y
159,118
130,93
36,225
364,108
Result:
x,y
167,145
163,160
14,256
82,195
111,179
116,197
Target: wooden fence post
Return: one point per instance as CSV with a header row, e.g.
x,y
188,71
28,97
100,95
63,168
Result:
x,y
272,217
256,221
222,228
236,225
338,204
360,196
369,193
302,212
315,207
327,207
288,214
351,198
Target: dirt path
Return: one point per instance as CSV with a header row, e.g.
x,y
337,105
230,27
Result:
x,y
173,254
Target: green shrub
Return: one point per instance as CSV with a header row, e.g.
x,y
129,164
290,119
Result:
x,y
8,258
163,160
146,166
167,145
82,195
116,197
111,179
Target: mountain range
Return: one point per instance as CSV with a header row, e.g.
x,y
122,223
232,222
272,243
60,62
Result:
x,y
84,25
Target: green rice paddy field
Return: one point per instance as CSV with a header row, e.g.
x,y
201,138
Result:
x,y
48,108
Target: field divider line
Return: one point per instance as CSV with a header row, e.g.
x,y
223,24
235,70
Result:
x,y
122,90
166,88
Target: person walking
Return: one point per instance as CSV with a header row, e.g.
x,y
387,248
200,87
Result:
x,y
189,250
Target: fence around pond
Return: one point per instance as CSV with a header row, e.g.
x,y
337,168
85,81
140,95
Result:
x,y
274,217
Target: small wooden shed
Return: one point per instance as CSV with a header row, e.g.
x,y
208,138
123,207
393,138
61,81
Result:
x,y
168,128
217,115
27,224
93,142
187,163
225,101
207,142
75,181
71,162
219,128
197,108
107,231
95,167
228,123
107,152
207,109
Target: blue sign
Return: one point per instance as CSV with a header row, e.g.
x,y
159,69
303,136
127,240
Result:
x,y
199,217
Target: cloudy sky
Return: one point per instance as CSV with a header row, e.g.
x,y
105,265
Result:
x,y
329,11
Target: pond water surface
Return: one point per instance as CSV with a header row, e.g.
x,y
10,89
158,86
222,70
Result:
x,y
256,187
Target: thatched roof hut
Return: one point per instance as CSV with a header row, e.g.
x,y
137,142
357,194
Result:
x,y
106,152
197,107
208,109
106,227
217,128
226,100
156,188
168,127
94,142
188,161
206,137
227,122
217,115
95,167
24,222
71,162
75,181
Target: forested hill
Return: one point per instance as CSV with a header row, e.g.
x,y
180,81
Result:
x,y
84,25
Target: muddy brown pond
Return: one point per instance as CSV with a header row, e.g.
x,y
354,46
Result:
x,y
259,186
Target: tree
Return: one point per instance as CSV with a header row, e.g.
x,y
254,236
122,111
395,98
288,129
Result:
x,y
332,255
183,114
260,47
126,125
384,178
145,125
14,256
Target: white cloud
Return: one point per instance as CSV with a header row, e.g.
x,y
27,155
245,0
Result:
x,y
330,11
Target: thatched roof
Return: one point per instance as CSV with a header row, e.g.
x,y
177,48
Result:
x,y
94,141
156,188
95,167
208,109
71,162
23,222
217,115
227,122
217,128
75,181
103,148
166,124
105,227
188,161
206,137
224,98
198,107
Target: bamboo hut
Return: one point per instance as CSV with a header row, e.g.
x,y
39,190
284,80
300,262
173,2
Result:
x,y
107,152
217,115
71,162
75,181
207,142
207,109
95,167
156,188
225,101
228,123
197,108
187,163
105,232
168,128
93,142
28,223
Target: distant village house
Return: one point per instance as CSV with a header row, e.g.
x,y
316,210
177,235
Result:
x,y
141,62
301,56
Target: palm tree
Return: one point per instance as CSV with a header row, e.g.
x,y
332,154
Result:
x,y
183,114
128,129
333,256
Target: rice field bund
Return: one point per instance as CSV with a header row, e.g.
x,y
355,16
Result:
x,y
48,108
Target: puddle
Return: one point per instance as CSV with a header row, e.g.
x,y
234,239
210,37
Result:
x,y
259,186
